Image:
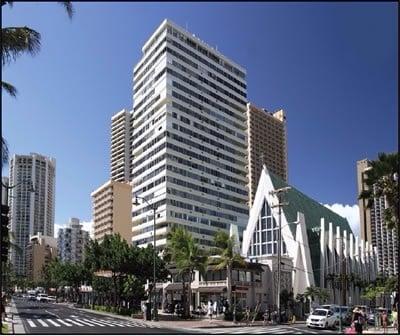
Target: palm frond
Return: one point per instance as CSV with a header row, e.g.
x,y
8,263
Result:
x,y
11,90
68,7
16,41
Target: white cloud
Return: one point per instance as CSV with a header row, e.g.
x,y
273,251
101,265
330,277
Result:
x,y
56,227
86,225
350,212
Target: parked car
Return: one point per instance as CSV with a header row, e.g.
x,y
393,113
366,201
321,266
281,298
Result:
x,y
51,299
42,297
321,318
31,297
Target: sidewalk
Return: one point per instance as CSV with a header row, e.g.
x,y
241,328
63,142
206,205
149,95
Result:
x,y
377,331
13,321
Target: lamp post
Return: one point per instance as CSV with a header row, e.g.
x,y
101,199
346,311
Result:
x,y
154,207
278,193
4,201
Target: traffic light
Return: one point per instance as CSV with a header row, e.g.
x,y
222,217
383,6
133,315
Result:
x,y
233,288
4,233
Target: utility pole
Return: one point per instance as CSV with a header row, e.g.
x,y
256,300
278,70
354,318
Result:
x,y
278,193
152,290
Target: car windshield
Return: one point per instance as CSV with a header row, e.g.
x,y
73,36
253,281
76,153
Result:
x,y
319,312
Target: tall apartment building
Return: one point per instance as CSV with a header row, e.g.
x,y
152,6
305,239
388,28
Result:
x,y
267,143
31,212
121,126
373,228
72,241
39,252
112,210
189,141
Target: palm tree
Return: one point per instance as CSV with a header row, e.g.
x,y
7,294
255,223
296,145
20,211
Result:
x,y
183,251
312,292
16,41
380,180
323,295
226,257
330,279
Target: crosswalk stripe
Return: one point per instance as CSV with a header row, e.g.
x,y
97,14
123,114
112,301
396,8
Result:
x,y
127,323
65,323
104,322
87,323
74,322
33,325
91,321
116,323
44,324
53,323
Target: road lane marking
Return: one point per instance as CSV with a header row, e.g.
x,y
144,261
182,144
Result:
x,y
74,322
53,323
31,323
55,315
91,321
65,323
87,323
44,324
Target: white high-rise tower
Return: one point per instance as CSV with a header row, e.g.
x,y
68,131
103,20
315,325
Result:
x,y
188,144
30,212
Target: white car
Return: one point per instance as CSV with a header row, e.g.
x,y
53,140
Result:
x,y
51,299
42,298
321,318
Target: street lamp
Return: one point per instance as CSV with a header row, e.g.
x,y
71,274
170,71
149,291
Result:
x,y
278,193
154,207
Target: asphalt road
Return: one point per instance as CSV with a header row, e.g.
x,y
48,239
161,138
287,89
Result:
x,y
53,318
296,329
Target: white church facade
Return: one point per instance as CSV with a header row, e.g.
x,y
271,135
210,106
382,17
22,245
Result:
x,y
318,247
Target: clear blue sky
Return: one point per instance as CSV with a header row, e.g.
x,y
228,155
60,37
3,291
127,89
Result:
x,y
331,66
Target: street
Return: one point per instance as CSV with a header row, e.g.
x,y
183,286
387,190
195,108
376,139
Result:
x,y
52,318
296,329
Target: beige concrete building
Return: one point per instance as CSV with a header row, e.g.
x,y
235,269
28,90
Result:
x,y
112,210
267,143
120,146
39,252
373,228
365,212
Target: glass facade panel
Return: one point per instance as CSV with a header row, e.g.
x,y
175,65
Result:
x,y
265,236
